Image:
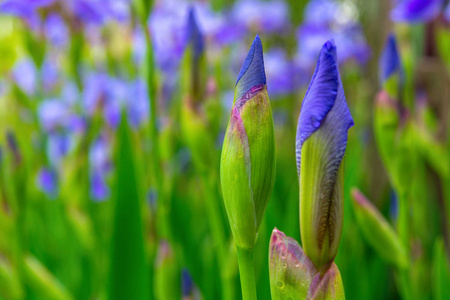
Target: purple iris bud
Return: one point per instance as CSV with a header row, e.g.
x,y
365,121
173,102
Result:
x,y
252,73
325,103
194,36
47,182
53,113
390,61
139,46
321,141
25,76
187,284
58,146
416,11
13,147
261,16
56,30
280,73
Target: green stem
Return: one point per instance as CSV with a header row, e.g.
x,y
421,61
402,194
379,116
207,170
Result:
x,y
218,234
247,273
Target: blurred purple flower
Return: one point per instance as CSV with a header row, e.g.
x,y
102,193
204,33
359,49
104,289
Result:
x,y
168,34
139,46
390,62
416,11
25,9
99,188
25,75
47,182
99,165
447,12
262,16
56,30
58,146
187,284
53,113
50,73
280,73
338,23
138,103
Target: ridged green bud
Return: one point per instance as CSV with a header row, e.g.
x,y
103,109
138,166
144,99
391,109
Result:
x,y
378,232
247,167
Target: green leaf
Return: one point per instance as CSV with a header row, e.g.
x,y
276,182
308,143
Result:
x,y
128,272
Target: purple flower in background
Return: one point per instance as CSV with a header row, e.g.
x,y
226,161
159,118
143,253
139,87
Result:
x,y
168,34
262,16
338,23
53,113
138,103
187,284
416,11
58,146
139,46
25,9
56,30
47,182
280,73
50,73
25,75
390,62
99,165
194,36
447,12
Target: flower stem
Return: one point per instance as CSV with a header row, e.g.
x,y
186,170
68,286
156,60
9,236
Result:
x,y
247,273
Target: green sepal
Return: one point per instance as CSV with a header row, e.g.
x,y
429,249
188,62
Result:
x,y
291,271
327,285
322,211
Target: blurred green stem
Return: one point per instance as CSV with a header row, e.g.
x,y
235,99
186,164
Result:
x,y
247,273
217,231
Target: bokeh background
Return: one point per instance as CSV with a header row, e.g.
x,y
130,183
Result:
x,y
109,177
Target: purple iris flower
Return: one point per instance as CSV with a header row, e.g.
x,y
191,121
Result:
x,y
47,182
58,146
187,284
138,103
139,46
50,73
168,34
390,62
338,23
416,11
53,113
25,76
280,73
25,9
99,165
324,106
262,16
447,12
56,30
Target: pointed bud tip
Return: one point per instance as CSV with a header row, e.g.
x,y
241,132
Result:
x,y
252,72
194,35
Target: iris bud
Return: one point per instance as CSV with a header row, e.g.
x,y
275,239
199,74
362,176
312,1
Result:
x,y
391,74
327,285
378,232
291,271
247,167
320,146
